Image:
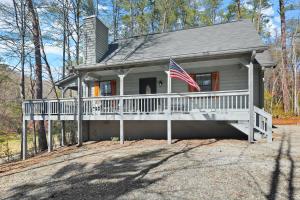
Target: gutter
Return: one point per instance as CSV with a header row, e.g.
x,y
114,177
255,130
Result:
x,y
162,60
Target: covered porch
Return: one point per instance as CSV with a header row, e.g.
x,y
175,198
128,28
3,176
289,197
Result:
x,y
229,97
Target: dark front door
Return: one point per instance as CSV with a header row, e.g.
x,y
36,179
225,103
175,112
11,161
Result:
x,y
147,86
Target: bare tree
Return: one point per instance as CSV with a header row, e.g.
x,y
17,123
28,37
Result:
x,y
284,84
295,34
38,70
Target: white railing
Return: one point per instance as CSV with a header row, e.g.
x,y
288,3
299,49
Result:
x,y
150,104
262,121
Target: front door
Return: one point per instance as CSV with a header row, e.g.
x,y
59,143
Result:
x,y
147,86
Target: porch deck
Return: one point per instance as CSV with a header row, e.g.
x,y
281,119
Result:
x,y
221,105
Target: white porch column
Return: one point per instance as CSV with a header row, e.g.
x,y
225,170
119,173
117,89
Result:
x,y
79,111
49,129
169,123
251,102
24,138
122,76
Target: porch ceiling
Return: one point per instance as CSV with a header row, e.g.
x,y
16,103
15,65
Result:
x,y
164,67
207,56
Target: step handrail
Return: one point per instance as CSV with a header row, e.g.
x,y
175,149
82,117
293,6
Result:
x,y
264,123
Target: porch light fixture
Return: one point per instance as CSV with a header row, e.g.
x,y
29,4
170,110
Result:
x,y
160,83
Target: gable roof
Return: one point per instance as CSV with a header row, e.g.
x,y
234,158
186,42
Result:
x,y
238,35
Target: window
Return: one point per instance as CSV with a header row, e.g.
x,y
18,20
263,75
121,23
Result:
x,y
102,88
105,88
204,81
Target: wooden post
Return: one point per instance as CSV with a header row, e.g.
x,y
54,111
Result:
x,y
122,76
251,102
79,111
49,129
24,138
269,129
169,123
63,125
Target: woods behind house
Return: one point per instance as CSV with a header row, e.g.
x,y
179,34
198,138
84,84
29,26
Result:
x,y
30,29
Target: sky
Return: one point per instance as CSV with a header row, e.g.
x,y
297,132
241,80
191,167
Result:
x,y
54,53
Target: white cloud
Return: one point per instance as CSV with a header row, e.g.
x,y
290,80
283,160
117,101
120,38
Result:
x,y
54,50
268,12
7,2
274,24
102,7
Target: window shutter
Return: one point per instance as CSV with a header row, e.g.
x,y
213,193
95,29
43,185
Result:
x,y
215,76
96,88
113,85
190,88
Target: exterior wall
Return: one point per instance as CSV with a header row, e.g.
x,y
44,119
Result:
x,y
105,130
258,87
95,39
231,78
234,77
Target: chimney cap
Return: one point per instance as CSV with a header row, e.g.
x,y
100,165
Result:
x,y
95,17
91,16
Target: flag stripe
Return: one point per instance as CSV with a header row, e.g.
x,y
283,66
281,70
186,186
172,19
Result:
x,y
177,72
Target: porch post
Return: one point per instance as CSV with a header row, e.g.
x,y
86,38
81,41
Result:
x,y
49,129
169,124
79,111
24,136
251,102
63,125
121,76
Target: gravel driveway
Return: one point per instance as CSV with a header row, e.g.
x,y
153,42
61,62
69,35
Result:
x,y
149,169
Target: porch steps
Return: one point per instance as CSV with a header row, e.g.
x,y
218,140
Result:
x,y
243,126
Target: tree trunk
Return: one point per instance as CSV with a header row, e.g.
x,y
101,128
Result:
x,y
284,87
38,71
77,30
295,71
32,83
115,18
238,5
259,16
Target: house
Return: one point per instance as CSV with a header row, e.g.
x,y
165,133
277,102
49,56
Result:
x,y
124,90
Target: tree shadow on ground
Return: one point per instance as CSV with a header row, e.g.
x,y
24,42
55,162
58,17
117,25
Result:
x,y
273,193
107,180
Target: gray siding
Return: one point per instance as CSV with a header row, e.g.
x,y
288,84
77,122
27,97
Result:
x,y
234,77
231,78
258,87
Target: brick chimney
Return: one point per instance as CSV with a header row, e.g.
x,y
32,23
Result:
x,y
95,40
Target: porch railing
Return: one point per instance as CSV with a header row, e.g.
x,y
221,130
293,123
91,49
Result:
x,y
139,104
262,121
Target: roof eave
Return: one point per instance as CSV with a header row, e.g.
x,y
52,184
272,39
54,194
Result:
x,y
161,60
65,80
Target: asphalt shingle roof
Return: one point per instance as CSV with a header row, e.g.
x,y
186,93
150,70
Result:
x,y
239,35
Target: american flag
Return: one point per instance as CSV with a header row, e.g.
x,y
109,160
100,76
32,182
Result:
x,y
177,72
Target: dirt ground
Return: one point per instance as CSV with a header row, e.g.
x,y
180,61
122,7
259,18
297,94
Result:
x,y
151,169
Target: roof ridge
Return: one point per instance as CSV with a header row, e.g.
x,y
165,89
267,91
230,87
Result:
x,y
186,29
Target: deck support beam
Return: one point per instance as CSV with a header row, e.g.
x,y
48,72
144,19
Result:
x,y
63,125
24,139
50,145
79,111
251,98
169,123
121,76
